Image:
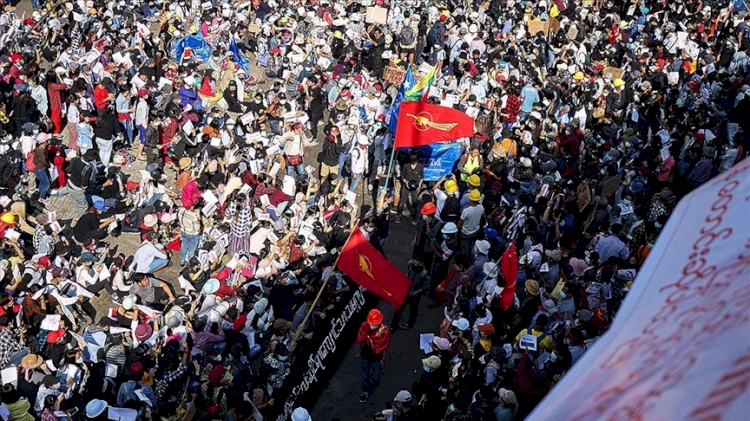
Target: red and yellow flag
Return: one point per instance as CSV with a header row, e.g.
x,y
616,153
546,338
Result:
x,y
367,267
420,123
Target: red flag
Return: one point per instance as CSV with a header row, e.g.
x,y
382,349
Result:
x,y
420,123
509,268
367,267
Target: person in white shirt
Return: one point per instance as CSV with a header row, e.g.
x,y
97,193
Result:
x,y
141,119
360,161
149,257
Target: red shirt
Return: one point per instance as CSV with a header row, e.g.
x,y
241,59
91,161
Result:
x,y
100,96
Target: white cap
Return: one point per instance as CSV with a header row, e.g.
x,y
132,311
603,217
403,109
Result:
x,y
128,303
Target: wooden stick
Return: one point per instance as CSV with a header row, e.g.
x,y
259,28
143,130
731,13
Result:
x,y
323,287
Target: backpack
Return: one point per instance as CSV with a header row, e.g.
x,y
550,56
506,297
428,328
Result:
x,y
30,162
89,175
451,209
407,35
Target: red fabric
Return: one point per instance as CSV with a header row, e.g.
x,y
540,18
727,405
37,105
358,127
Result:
x,y
417,124
367,267
378,339
100,95
442,293
59,161
509,269
57,120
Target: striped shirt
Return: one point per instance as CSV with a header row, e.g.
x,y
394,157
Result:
x,y
189,222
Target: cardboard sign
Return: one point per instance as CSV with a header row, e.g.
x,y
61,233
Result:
x,y
538,26
394,75
554,25
583,196
572,32
616,72
611,185
376,15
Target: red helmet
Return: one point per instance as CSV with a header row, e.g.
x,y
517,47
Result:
x,y
374,317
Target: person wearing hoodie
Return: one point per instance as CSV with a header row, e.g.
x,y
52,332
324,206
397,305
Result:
x,y
258,322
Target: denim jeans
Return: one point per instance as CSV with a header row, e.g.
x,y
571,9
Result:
x,y
342,161
105,150
42,180
290,169
353,182
371,372
127,127
156,263
188,246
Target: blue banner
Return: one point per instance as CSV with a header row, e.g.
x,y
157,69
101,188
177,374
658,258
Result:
x,y
197,44
239,58
438,159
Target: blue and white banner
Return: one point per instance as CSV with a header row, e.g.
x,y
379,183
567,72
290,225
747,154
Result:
x,y
438,159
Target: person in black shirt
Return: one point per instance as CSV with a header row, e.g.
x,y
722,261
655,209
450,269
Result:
x,y
90,225
330,153
412,175
317,105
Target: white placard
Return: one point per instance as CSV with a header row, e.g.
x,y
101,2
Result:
x,y
424,342
10,375
528,342
51,322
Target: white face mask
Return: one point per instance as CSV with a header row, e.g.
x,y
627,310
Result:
x,y
553,356
373,327
563,295
283,101
425,217
370,229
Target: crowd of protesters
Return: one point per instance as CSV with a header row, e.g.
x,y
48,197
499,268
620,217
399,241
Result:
x,y
588,130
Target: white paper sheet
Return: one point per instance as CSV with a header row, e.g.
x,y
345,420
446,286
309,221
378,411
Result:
x,y
527,341
51,322
10,376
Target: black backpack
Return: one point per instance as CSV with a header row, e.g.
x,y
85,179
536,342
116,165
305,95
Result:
x,y
407,35
90,175
451,210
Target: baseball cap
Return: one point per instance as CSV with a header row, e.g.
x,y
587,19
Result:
x,y
403,396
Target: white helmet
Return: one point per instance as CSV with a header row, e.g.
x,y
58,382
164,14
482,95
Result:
x,y
449,228
301,414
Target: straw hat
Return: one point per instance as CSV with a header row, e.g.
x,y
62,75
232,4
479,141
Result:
x,y
185,162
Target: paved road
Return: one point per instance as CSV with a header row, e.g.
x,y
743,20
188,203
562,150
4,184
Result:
x,y
403,363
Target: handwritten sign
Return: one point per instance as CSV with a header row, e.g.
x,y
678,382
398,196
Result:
x,y
376,15
583,196
538,26
394,75
611,185
554,25
616,72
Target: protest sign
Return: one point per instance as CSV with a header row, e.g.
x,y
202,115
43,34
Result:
x,y
376,15
394,75
538,26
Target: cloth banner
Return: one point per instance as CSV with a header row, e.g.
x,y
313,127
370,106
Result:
x,y
196,44
678,348
438,159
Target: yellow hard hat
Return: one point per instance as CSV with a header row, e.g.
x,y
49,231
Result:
x,y
8,218
446,13
337,34
474,196
474,180
618,83
622,24
451,186
578,76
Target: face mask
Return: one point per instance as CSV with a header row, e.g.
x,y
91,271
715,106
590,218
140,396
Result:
x,y
553,357
373,327
425,368
486,111
370,229
563,295
283,358
451,408
79,360
257,101
425,217
283,101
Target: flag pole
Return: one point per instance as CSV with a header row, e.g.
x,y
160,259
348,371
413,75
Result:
x,y
323,286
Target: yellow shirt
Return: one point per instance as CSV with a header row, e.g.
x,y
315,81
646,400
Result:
x,y
544,345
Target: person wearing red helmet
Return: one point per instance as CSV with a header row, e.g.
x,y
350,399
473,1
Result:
x,y
373,339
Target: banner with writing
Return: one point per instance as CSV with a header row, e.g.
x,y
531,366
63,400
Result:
x,y
319,358
438,159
